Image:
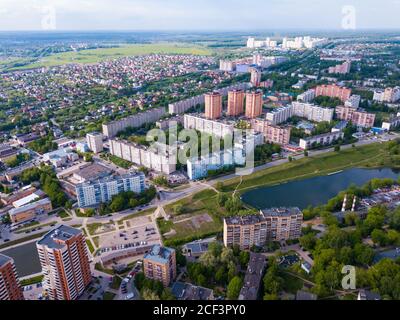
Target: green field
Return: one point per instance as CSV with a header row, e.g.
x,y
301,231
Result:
x,y
101,54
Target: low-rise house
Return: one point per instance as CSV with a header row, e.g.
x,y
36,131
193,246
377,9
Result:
x,y
30,211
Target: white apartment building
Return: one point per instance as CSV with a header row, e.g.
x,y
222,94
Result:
x,y
307,96
322,139
390,95
227,65
199,168
184,105
279,115
353,101
111,129
92,193
95,142
217,128
312,112
160,158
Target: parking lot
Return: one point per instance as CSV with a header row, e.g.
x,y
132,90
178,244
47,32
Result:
x,y
138,231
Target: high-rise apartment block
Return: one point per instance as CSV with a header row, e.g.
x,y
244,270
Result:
x,y
65,264
10,288
92,193
353,101
254,104
358,118
160,264
95,142
276,224
213,105
235,103
255,78
333,91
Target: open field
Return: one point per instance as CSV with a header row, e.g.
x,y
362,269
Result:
x,y
101,54
373,155
201,216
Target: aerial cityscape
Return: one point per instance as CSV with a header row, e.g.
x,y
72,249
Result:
x,y
234,162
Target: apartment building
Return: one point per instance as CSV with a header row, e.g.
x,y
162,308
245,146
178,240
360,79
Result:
x,y
112,128
322,139
198,168
307,96
353,101
254,275
65,264
92,193
159,157
213,105
30,211
219,128
160,264
276,224
342,68
227,65
279,115
312,112
357,117
7,152
255,77
254,104
333,91
390,95
95,142
184,105
235,103
10,288
273,134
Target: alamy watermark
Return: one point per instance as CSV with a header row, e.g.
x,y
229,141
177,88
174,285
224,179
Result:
x,y
349,20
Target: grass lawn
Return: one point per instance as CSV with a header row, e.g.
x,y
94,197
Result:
x,y
146,212
108,295
93,227
373,155
99,267
116,282
90,245
63,214
30,281
96,241
202,203
291,284
101,54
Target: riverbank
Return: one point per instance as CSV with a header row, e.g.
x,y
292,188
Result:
x,y
370,156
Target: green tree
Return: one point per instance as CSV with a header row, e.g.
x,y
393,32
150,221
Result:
x,y
234,287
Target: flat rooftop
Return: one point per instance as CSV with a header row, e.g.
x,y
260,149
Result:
x,y
93,171
4,259
55,238
159,254
29,206
111,178
244,220
281,212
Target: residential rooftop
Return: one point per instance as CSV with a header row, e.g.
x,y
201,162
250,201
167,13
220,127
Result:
x,y
244,220
4,259
280,212
56,238
253,277
187,291
159,254
110,178
29,206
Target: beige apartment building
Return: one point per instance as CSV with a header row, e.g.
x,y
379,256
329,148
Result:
x,y
235,103
358,118
254,103
276,224
160,264
213,105
95,142
65,264
10,287
273,134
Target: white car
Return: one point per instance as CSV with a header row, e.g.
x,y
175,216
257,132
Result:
x,y
129,296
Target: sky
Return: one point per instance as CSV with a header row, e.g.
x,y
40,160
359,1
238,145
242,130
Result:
x,y
198,14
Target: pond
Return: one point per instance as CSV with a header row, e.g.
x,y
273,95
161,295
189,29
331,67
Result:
x,y
314,191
